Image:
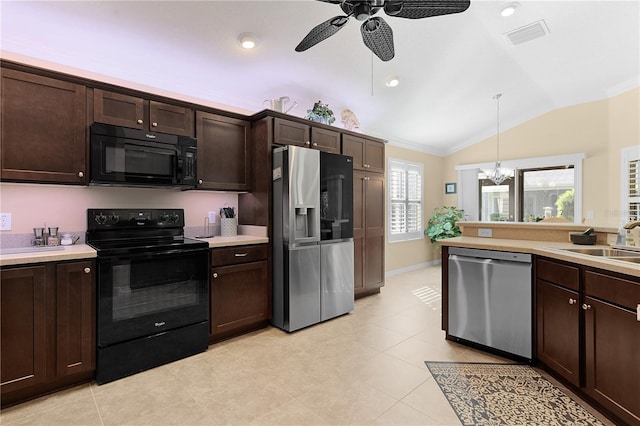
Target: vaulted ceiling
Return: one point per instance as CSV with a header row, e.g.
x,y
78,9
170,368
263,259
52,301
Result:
x,y
449,67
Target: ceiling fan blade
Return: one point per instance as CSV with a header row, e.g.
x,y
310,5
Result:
x,y
417,9
322,32
378,37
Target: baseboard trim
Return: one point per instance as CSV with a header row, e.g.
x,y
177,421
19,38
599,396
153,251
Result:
x,y
393,272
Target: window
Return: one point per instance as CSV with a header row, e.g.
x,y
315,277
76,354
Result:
x,y
405,200
547,193
630,171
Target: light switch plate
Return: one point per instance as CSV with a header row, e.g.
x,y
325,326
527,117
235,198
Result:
x,y
5,221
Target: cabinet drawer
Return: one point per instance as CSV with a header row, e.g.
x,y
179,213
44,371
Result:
x,y
557,273
238,254
619,291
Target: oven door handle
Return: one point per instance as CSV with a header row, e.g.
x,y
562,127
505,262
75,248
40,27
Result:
x,y
151,254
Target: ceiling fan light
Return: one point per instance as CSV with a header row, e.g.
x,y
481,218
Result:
x,y
247,41
509,9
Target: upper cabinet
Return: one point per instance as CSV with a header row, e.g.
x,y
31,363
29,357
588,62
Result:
x,y
43,129
287,132
367,154
224,155
138,113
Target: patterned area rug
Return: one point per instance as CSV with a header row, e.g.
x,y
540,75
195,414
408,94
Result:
x,y
505,394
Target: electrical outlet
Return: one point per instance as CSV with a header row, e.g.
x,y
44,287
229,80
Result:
x,y
485,232
212,217
5,221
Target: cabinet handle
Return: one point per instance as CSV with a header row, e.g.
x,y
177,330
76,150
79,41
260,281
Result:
x,y
80,174
366,178
307,143
366,166
199,181
87,270
240,254
586,307
572,301
215,275
315,144
154,124
140,121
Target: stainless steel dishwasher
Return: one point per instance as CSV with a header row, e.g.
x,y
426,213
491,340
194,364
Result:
x,y
490,299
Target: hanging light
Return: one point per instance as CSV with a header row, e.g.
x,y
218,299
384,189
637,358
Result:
x,y
498,174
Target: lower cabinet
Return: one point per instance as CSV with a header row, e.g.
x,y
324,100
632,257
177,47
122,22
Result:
x,y
47,328
240,291
588,333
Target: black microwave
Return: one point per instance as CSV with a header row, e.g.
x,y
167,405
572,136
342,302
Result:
x,y
121,156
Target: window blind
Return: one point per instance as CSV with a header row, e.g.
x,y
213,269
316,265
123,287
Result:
x,y
405,200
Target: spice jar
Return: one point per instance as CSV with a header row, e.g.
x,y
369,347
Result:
x,y
54,239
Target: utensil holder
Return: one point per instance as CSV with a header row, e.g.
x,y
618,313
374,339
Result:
x,y
228,226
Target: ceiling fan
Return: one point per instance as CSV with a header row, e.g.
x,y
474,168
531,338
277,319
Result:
x,y
376,33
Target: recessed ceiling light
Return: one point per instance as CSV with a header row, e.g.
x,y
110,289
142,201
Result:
x,y
392,81
247,40
509,9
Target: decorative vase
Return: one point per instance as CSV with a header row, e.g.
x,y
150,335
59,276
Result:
x,y
228,226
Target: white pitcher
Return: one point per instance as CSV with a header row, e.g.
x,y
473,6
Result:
x,y
279,104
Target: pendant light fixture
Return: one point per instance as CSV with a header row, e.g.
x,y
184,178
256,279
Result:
x,y
498,174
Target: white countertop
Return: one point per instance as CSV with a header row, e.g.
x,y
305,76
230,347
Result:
x,y
83,251
548,249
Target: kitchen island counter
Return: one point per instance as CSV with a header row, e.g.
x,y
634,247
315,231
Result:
x,y
551,249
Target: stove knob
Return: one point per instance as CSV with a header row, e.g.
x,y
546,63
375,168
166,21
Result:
x,y
101,219
175,218
114,218
164,217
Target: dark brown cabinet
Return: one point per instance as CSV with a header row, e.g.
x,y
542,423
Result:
x,y
368,231
240,290
367,154
587,332
43,129
48,323
24,328
287,132
130,111
612,343
224,154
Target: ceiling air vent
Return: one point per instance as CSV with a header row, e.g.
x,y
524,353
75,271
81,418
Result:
x,y
528,32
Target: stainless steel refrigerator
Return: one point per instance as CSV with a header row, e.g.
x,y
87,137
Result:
x,y
312,237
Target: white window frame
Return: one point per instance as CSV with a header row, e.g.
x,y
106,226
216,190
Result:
x,y
393,163
627,155
467,173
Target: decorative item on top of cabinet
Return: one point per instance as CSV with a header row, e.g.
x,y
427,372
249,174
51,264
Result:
x,y
130,111
224,154
43,129
240,290
287,132
367,154
48,323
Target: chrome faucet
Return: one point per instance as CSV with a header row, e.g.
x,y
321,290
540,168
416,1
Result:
x,y
632,224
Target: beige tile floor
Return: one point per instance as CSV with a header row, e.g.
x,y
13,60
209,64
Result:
x,y
363,368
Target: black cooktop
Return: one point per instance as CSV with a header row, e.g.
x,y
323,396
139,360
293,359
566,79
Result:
x,y
128,231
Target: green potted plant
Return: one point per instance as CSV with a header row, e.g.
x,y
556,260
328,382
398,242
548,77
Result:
x,y
443,223
320,113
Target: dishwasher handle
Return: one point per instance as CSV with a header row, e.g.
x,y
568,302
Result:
x,y
483,261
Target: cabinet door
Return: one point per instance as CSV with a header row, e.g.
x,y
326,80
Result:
x,y
612,343
358,228
374,156
43,129
172,119
325,140
354,147
557,328
75,318
239,297
374,230
119,110
223,152
22,328
290,133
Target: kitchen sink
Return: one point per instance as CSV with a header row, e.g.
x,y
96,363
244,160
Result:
x,y
629,259
605,252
